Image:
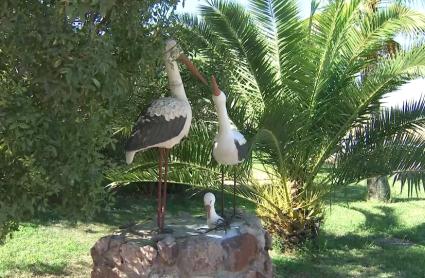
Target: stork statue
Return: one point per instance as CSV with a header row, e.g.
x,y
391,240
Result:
x,y
230,146
213,219
165,122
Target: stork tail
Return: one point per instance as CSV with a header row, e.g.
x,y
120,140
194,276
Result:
x,y
129,156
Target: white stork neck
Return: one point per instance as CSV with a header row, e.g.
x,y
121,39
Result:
x,y
174,79
223,119
213,214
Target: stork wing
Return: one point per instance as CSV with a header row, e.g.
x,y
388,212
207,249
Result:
x,y
159,124
154,130
241,145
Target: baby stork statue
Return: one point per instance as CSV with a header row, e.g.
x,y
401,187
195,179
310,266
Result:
x,y
213,219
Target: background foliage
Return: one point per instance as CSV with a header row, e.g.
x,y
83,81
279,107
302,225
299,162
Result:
x,y
70,74
74,75
314,104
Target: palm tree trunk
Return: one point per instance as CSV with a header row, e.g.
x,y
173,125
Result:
x,y
378,188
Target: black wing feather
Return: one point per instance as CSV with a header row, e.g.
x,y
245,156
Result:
x,y
242,150
151,130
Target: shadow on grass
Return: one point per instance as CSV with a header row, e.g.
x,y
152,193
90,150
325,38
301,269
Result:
x,y
353,256
403,199
347,194
387,223
372,254
382,222
358,192
40,268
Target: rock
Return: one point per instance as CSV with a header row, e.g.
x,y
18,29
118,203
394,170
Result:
x,y
168,249
268,241
200,256
240,252
136,261
106,252
254,274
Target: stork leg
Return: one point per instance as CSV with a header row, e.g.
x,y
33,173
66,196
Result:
x,y
222,190
159,193
234,192
164,189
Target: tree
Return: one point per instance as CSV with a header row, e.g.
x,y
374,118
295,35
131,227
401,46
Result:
x,y
378,188
70,72
305,74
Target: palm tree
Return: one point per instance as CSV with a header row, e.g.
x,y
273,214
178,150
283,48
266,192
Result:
x,y
378,188
303,77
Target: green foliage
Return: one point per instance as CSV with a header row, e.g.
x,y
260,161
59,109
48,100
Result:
x,y
69,73
391,142
306,75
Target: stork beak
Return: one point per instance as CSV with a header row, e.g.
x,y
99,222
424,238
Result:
x,y
191,67
208,210
215,88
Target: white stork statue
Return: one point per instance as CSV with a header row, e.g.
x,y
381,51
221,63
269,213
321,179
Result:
x,y
213,219
230,146
165,122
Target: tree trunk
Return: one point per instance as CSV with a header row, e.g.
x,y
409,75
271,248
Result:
x,y
378,189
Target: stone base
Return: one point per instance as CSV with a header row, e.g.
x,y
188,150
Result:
x,y
241,251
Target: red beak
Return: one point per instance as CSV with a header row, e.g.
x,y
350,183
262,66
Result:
x,y
191,67
215,88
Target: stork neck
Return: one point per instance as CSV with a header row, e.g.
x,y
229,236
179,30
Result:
x,y
223,119
174,79
212,211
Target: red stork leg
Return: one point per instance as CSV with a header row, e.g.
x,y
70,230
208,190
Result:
x,y
222,190
159,208
164,194
234,192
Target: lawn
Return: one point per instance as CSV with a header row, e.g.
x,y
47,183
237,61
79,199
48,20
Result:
x,y
358,239
361,239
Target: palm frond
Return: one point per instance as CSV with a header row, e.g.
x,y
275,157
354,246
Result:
x,y
386,77
295,63
238,32
379,28
330,30
280,23
391,143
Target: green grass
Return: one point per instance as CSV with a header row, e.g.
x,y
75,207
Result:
x,y
355,239
363,239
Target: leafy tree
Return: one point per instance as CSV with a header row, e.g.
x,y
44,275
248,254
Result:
x,y
71,72
311,105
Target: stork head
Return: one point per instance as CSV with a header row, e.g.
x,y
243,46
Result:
x,y
175,53
172,49
219,97
209,200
